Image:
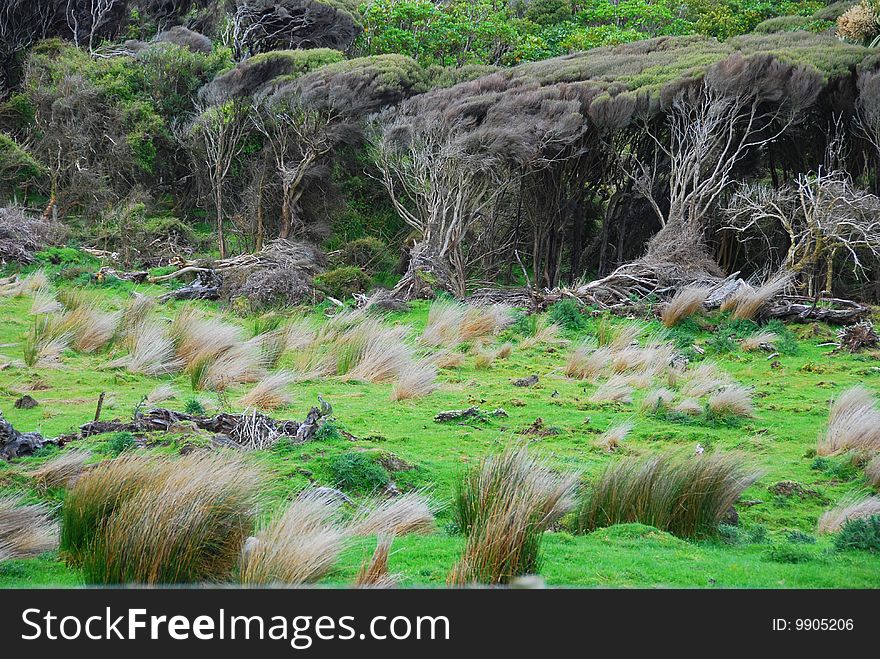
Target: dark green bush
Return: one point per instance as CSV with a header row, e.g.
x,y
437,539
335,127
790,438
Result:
x,y
789,553
357,472
863,534
369,254
194,406
120,441
343,282
567,314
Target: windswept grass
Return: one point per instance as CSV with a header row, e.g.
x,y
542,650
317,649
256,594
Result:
x,y
25,530
154,521
299,546
733,400
503,506
610,440
588,362
151,351
748,302
615,390
760,341
685,303
853,424
683,494
657,400
417,380
412,512
855,506
374,573
270,392
62,471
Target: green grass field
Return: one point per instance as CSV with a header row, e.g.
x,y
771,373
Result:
x,y
774,545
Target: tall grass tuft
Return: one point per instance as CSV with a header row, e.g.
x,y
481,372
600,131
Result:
x,y
611,438
151,351
62,471
269,393
587,362
417,380
747,302
615,390
374,573
872,471
503,506
142,520
683,494
684,304
44,342
853,424
412,512
25,530
90,328
733,400
855,506
45,303
299,546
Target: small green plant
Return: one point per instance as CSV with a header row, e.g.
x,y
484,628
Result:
x,y
862,534
120,441
357,472
328,431
567,314
800,538
788,553
343,282
194,406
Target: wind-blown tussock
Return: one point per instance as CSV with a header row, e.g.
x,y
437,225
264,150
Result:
x,y
855,506
25,530
853,424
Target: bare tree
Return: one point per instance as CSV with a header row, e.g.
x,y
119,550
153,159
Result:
x,y
822,215
439,188
741,105
87,19
22,23
298,138
217,133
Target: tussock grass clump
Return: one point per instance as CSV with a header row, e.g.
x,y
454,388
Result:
x,y
269,393
299,546
760,341
151,351
855,506
299,334
684,304
44,302
690,407
622,336
733,400
747,302
504,351
160,394
62,471
37,280
703,380
611,438
135,313
416,380
657,400
615,390
484,359
197,337
447,359
44,342
412,512
545,333
271,346
683,494
90,328
142,520
588,362
238,365
450,323
853,423
872,471
382,359
374,573
25,530
503,506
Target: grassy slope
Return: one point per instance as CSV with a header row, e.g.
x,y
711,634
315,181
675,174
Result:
x,y
792,403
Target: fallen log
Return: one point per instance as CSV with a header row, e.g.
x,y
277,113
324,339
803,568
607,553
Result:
x,y
799,309
15,444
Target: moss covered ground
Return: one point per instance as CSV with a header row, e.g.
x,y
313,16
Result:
x,y
774,544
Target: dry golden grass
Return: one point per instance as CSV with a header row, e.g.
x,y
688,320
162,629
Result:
x,y
853,424
503,506
443,328
382,359
409,513
134,316
45,341
300,546
269,393
759,341
374,573
485,321
704,379
160,394
299,334
852,507
198,338
685,303
656,400
44,302
747,302
546,334
872,471
615,390
504,351
154,521
624,336
689,406
34,282
484,359
447,359
238,365
25,530
90,328
151,351
733,400
417,380
62,471
610,440
588,363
